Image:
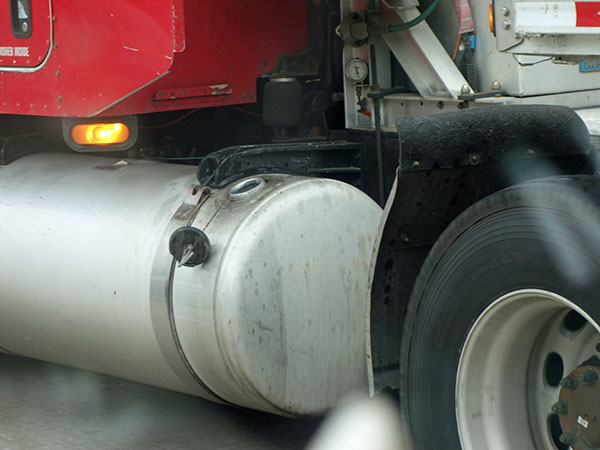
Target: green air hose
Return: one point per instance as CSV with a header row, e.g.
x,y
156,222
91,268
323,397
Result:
x,y
416,21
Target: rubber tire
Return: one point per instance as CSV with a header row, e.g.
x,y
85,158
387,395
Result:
x,y
543,234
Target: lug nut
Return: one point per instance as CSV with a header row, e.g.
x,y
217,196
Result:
x,y
590,376
568,438
569,382
560,407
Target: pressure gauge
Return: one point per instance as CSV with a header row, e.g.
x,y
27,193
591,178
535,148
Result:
x,y
357,70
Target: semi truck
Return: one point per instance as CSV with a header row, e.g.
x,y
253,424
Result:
x,y
273,204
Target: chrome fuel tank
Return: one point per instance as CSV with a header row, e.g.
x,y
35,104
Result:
x,y
273,320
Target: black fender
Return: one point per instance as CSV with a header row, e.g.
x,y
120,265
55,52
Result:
x,y
447,163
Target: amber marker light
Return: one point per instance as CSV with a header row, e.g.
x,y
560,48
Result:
x,y
491,18
100,133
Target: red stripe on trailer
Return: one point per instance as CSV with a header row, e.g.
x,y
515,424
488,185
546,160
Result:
x,y
588,14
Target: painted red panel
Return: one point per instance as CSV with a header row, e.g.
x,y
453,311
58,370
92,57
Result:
x,y
114,56
227,43
29,52
588,14
102,52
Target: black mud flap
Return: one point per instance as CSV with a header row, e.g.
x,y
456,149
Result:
x,y
447,163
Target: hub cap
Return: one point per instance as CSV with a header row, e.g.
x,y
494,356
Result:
x,y
526,373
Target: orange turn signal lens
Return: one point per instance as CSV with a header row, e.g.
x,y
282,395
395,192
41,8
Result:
x,y
100,133
491,18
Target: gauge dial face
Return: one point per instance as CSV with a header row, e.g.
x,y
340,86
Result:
x,y
357,70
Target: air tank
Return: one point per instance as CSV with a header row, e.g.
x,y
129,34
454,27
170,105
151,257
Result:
x,y
273,319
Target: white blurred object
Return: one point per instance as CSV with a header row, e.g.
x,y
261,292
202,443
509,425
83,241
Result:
x,y
365,424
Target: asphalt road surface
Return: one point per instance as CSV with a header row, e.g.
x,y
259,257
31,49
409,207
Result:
x,y
49,407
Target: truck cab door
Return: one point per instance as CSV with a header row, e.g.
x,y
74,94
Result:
x,y
25,34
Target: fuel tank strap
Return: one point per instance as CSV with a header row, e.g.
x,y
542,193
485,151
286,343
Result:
x,y
161,298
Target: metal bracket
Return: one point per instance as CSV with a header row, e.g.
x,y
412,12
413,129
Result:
x,y
423,57
339,160
482,95
504,25
191,92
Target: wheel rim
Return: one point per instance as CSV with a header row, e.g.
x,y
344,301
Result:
x,y
510,370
